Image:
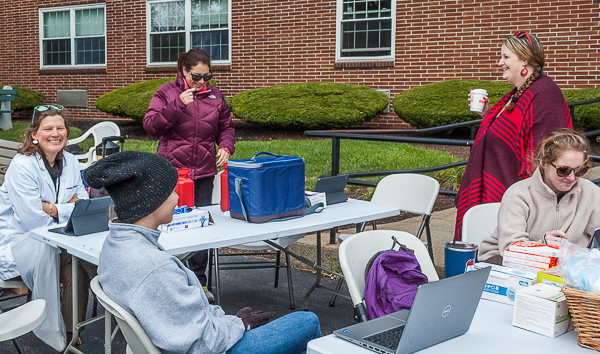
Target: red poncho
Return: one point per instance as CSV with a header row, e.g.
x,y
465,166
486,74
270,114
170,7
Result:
x,y
504,148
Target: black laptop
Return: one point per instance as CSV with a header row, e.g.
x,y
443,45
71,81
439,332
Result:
x,y
333,187
88,216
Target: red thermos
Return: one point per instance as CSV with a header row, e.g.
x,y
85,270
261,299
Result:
x,y
224,190
185,188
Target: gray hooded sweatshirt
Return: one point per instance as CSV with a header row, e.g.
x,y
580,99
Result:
x,y
163,294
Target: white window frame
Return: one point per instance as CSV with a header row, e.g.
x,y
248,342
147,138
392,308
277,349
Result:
x,y
338,37
187,30
72,10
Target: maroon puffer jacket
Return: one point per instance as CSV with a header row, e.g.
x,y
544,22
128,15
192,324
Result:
x,y
188,133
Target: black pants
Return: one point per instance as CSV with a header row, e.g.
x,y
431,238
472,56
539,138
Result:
x,y
202,197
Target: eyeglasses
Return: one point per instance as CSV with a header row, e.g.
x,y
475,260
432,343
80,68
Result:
x,y
44,108
198,77
565,171
522,34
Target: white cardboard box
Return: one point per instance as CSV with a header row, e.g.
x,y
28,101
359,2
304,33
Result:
x,y
542,309
194,219
316,197
503,282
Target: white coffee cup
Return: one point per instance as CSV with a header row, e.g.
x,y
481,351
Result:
x,y
478,97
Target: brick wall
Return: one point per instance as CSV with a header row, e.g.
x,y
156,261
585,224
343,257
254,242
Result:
x,y
278,42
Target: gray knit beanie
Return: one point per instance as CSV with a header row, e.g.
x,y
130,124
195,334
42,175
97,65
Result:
x,y
138,182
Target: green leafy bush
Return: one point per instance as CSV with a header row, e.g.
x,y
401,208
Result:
x,y
309,105
587,116
444,102
26,98
132,101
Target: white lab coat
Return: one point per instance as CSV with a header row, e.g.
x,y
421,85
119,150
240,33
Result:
x,y
26,184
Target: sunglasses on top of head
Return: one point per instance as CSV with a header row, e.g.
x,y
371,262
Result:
x,y
44,108
198,77
522,34
564,171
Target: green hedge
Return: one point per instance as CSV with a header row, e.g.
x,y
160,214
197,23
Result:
x,y
26,98
587,116
132,101
309,105
445,102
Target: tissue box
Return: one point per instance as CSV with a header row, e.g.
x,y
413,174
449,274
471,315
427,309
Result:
x,y
543,261
509,260
503,282
194,219
542,309
534,248
550,277
316,197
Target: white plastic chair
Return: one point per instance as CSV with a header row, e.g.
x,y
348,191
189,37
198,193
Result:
x,y
138,341
98,131
358,249
14,284
22,320
410,192
253,246
480,222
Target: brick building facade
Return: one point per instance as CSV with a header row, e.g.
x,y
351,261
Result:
x,y
275,42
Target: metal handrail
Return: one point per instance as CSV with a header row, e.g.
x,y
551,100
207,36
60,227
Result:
x,y
579,103
368,134
336,136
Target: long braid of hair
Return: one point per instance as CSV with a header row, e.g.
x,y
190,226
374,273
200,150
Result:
x,y
536,74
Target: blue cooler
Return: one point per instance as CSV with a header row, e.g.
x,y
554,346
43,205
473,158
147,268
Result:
x,y
459,257
265,188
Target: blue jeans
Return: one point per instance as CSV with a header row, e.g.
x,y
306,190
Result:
x,y
289,334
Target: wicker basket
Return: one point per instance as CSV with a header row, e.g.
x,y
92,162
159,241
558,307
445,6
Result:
x,y
585,311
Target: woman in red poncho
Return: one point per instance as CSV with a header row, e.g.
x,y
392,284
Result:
x,y
512,129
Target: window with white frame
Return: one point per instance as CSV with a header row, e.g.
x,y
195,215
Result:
x,y
177,26
73,36
365,29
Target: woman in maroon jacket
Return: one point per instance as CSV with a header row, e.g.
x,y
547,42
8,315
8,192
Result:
x,y
190,116
512,129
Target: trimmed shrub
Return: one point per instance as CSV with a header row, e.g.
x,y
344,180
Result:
x,y
26,98
132,101
444,102
309,105
587,116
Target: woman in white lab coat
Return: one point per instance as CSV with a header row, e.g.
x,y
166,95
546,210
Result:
x,y
40,188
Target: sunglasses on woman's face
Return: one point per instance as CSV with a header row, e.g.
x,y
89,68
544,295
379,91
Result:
x,y
44,108
198,77
564,171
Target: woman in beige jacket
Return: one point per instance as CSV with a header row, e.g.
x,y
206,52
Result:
x,y
554,204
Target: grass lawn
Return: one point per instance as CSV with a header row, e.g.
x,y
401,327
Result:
x,y
356,156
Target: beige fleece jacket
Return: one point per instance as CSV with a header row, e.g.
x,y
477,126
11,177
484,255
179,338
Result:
x,y
529,210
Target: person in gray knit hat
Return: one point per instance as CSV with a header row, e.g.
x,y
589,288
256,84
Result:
x,y
165,296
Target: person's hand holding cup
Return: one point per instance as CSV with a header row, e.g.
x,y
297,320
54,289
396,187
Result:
x,y
478,101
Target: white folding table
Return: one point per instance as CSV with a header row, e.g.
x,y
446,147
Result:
x,y
491,332
352,211
225,232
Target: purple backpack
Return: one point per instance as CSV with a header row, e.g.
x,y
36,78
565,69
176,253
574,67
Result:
x,y
392,282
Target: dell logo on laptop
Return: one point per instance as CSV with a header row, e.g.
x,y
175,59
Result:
x,y
446,311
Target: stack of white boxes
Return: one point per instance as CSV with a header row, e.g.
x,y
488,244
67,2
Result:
x,y
530,256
